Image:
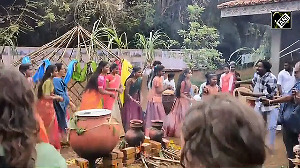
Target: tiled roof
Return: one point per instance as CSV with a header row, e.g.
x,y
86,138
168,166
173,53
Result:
x,y
239,3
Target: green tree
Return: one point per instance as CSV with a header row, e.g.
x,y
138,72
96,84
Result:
x,y
156,40
200,41
16,18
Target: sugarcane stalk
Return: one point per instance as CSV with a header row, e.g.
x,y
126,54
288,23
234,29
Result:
x,y
167,160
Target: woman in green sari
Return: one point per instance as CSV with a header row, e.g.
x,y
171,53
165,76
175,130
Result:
x,y
132,108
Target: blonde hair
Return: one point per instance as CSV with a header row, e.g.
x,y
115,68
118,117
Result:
x,y
222,132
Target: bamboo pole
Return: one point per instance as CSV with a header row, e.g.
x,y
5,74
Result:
x,y
85,45
57,48
167,160
71,39
103,46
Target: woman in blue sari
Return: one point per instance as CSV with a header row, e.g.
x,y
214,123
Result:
x,y
60,88
290,115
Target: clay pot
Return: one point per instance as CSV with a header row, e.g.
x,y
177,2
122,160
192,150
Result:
x,y
101,135
168,101
156,132
135,136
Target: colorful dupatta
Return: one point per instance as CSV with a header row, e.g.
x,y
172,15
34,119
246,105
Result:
x,y
60,89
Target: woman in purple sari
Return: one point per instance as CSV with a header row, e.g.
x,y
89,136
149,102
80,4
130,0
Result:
x,y
155,109
132,108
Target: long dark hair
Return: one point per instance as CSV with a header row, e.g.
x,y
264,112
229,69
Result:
x,y
157,69
134,70
59,66
18,127
24,67
113,66
181,78
50,69
93,81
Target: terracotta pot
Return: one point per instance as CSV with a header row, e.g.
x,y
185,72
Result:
x,y
101,135
168,102
135,136
156,132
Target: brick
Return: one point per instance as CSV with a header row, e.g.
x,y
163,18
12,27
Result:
x,y
130,156
119,153
119,163
82,163
111,163
146,147
129,150
129,162
147,139
113,156
155,144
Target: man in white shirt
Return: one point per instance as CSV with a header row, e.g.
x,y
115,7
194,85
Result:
x,y
170,81
286,79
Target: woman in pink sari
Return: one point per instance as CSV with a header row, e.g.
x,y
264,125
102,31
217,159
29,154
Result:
x,y
155,109
173,121
45,106
114,85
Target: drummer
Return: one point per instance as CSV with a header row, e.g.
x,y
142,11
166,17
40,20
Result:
x,y
170,81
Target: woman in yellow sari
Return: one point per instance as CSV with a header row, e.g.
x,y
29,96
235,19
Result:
x,y
92,98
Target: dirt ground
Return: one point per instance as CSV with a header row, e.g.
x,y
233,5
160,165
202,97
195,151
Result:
x,y
278,159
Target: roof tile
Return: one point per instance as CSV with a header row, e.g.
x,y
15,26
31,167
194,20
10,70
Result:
x,y
239,3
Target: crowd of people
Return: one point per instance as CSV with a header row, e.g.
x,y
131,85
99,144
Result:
x,y
219,131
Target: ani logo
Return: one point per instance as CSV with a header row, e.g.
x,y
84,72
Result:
x,y
281,20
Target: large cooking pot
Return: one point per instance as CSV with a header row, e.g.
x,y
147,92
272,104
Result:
x,y
94,133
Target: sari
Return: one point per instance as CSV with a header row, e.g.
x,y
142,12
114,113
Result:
x,y
155,109
114,83
60,89
42,132
113,103
46,110
126,71
174,119
93,99
131,110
